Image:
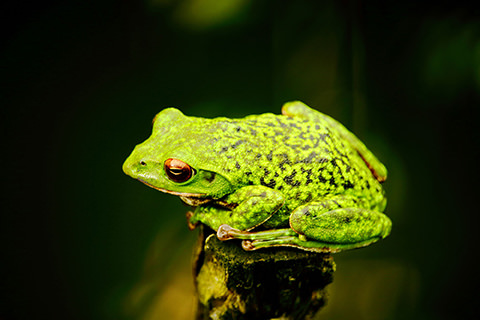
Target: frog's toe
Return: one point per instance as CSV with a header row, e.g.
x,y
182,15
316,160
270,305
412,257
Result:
x,y
224,232
295,108
247,245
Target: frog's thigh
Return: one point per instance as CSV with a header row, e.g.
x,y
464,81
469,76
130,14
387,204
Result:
x,y
340,226
253,206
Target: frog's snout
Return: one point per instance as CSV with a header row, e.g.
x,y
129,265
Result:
x,y
127,167
134,165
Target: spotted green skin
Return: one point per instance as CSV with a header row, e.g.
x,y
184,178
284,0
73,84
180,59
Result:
x,y
298,179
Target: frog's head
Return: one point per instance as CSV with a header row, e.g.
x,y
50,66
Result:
x,y
175,160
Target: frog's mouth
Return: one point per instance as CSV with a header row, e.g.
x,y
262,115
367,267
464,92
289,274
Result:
x,y
192,199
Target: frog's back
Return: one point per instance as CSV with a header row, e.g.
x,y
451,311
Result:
x,y
304,155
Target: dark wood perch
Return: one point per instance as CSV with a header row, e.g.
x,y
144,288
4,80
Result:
x,y
269,283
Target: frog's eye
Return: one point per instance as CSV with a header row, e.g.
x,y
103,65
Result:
x,y
177,170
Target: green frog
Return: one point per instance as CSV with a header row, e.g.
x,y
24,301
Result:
x,y
298,179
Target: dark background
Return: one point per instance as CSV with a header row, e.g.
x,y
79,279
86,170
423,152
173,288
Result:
x,y
82,80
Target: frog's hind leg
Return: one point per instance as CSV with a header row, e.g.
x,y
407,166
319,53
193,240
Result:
x,y
275,238
313,229
259,239
341,228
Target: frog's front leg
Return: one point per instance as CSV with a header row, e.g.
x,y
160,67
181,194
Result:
x,y
331,225
244,209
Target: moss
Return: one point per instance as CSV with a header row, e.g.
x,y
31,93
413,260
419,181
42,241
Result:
x,y
235,284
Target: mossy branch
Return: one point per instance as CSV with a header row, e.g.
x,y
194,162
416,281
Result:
x,y
265,284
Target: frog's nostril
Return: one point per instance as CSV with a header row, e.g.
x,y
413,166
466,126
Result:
x,y
143,163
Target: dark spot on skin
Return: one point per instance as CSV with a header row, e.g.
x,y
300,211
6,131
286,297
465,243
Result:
x,y
333,183
237,165
294,173
309,198
306,147
308,159
294,125
317,127
209,176
324,137
258,156
285,157
224,149
309,173
283,125
236,144
263,194
276,174
347,220
248,173
293,146
348,185
266,171
314,140
270,184
341,153
284,161
238,129
322,179
269,156
334,162
289,179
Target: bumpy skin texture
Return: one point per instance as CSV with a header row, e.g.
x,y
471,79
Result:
x,y
299,179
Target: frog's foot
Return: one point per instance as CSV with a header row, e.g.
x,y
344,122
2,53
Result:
x,y
301,242
191,224
273,238
225,232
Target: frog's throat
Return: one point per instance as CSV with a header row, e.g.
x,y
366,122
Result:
x,y
181,194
